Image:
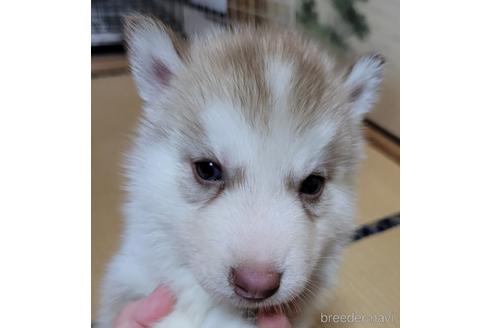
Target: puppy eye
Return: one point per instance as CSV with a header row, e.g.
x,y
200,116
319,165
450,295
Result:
x,y
208,170
312,185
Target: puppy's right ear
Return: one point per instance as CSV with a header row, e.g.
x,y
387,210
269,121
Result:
x,y
154,53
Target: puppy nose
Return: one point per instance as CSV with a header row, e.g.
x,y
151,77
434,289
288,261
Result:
x,y
255,284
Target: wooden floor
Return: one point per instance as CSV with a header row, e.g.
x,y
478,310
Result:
x,y
370,277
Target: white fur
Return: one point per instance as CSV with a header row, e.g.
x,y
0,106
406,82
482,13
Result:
x,y
191,247
366,74
150,45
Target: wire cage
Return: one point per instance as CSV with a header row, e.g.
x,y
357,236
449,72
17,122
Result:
x,y
106,17
184,16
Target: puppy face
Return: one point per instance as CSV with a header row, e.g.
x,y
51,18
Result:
x,y
246,155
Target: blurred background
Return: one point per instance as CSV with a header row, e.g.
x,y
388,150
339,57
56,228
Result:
x,y
369,279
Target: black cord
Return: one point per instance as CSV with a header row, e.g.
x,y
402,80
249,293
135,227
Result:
x,y
378,226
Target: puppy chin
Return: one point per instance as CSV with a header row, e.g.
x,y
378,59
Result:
x,y
273,303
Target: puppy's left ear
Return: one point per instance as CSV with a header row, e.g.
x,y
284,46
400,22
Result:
x,y
362,81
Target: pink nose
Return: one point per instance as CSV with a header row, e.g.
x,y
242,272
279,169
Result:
x,y
255,284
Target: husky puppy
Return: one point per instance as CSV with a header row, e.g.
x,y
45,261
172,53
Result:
x,y
241,178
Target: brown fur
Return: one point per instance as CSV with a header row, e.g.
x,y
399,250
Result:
x,y
237,60
231,65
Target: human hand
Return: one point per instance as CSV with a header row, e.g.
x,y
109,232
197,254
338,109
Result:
x,y
272,320
146,311
149,310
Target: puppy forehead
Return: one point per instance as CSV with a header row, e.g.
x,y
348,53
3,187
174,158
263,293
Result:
x,y
258,69
266,98
274,143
